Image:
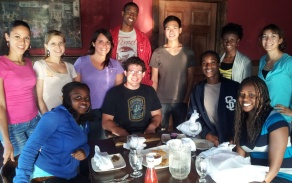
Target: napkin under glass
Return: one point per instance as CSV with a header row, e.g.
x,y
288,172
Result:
x,y
135,143
102,160
191,127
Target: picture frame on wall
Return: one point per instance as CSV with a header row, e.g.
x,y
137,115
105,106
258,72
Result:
x,y
43,16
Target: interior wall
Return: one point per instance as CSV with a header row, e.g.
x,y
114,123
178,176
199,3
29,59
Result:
x,y
253,16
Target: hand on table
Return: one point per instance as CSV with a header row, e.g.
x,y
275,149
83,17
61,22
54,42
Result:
x,y
8,153
213,139
283,110
79,154
150,129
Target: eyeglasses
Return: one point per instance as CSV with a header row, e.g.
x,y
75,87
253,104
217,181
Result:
x,y
132,72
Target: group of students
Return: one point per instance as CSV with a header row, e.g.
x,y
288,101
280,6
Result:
x,y
233,105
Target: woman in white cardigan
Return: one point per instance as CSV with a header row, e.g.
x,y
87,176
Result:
x,y
234,65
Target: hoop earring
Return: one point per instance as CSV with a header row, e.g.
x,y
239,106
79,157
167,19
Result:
x,y
29,47
88,111
48,53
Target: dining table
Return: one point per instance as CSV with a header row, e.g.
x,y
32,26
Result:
x,y
114,146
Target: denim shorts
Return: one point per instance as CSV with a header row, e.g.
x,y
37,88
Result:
x,y
19,133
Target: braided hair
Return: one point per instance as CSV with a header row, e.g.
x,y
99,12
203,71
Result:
x,y
262,110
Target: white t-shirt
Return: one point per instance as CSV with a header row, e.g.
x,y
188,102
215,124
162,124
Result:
x,y
53,82
127,46
211,98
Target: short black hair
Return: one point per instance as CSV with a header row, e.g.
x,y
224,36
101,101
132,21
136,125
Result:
x,y
171,18
135,61
210,52
130,4
232,28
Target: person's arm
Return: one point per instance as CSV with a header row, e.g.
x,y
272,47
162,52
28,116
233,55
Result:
x,y
190,83
119,79
240,151
283,110
154,78
8,148
213,139
109,125
39,91
278,140
78,78
155,121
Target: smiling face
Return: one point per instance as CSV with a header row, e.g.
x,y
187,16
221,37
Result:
x,y
172,30
134,76
19,40
80,100
130,15
102,45
210,66
56,46
247,98
230,42
271,40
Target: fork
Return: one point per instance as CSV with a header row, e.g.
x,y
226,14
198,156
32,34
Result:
x,y
117,180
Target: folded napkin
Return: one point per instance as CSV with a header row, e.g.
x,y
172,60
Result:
x,y
191,127
183,141
135,143
102,160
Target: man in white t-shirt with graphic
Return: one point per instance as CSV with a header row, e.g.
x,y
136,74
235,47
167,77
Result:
x,y
129,41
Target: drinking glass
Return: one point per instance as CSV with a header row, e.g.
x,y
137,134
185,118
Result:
x,y
201,167
135,159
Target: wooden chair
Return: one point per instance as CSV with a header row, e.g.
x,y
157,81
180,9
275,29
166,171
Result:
x,y
8,170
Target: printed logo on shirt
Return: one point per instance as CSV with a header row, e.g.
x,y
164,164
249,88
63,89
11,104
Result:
x,y
230,101
136,108
127,45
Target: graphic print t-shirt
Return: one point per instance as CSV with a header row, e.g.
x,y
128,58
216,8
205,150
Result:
x,y
127,45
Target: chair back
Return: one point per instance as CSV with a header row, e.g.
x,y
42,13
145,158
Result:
x,y
8,170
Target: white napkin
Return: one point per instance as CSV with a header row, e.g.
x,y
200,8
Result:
x,y
183,141
191,127
226,166
224,147
102,160
135,143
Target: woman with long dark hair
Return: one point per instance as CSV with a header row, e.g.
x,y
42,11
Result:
x,y
100,73
18,109
262,132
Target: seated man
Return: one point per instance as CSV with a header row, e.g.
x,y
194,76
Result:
x,y
131,107
214,99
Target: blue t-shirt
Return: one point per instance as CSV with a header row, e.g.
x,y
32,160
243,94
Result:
x,y
259,153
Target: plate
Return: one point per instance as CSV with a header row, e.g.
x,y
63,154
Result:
x,y
203,144
164,148
117,164
166,137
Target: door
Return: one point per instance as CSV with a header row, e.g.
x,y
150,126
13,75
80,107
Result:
x,y
199,30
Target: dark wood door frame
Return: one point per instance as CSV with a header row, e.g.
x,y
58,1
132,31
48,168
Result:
x,y
221,20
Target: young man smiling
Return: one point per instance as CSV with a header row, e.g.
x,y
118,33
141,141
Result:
x,y
214,99
131,107
129,41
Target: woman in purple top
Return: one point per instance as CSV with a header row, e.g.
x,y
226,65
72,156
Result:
x,y
100,73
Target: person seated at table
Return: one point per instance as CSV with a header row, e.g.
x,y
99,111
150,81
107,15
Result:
x,y
131,107
262,132
62,139
214,99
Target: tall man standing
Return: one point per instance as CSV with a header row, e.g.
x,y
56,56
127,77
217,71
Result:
x,y
129,41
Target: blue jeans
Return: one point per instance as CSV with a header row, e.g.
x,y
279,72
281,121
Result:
x,y
19,133
178,112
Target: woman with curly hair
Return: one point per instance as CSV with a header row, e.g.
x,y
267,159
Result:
x,y
275,69
234,65
262,132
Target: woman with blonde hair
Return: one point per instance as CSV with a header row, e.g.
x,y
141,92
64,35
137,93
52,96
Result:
x,y
52,72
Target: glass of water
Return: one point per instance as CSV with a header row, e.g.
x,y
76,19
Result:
x,y
135,159
201,167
